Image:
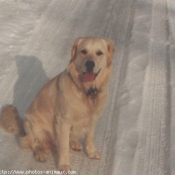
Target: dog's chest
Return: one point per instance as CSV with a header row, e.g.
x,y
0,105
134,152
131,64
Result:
x,y
81,124
84,108
85,116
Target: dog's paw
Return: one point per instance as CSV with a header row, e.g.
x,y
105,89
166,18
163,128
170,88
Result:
x,y
75,145
94,155
64,168
40,155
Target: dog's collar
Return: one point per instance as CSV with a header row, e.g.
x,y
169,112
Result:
x,y
91,92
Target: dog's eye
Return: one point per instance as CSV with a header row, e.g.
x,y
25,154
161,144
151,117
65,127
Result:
x,y
99,53
84,52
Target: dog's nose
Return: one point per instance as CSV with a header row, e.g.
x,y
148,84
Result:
x,y
90,65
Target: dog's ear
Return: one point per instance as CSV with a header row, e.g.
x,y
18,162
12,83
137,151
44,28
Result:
x,y
111,50
74,48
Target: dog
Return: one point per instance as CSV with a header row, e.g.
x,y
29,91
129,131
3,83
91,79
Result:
x,y
68,107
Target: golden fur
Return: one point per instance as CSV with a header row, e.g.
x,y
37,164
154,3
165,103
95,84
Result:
x,y
63,111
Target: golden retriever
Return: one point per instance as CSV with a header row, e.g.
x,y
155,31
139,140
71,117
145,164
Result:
x,y
68,106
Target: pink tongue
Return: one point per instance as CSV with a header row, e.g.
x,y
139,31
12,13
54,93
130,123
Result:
x,y
89,76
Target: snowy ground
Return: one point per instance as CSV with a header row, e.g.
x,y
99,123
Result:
x,y
136,132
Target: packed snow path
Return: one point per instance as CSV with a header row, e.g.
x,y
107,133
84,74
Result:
x,y
136,132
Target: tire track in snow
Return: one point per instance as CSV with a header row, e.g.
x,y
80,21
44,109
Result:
x,y
151,155
171,53
124,134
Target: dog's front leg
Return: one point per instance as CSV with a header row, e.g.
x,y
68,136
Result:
x,y
91,150
62,133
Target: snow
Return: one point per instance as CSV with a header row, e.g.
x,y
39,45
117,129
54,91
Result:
x,y
136,132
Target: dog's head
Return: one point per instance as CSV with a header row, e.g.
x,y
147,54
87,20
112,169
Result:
x,y
91,56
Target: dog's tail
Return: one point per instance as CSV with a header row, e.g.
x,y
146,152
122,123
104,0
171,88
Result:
x,y
11,122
